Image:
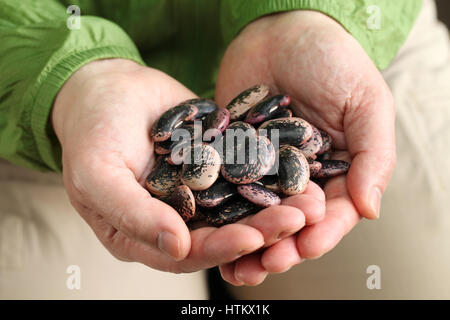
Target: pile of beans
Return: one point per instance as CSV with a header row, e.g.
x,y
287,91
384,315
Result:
x,y
232,162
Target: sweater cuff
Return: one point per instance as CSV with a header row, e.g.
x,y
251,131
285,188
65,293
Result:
x,y
50,82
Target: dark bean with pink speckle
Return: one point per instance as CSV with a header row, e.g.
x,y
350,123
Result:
x,y
163,178
230,212
270,182
283,113
258,195
183,201
267,108
291,131
215,123
204,106
217,194
244,101
327,142
201,167
192,132
255,164
172,119
313,145
314,167
332,168
293,172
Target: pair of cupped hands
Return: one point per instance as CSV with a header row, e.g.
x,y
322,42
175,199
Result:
x,y
103,114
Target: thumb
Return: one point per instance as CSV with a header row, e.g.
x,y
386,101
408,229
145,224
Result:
x,y
116,195
370,135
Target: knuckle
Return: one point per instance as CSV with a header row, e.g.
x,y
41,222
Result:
x,y
115,242
124,223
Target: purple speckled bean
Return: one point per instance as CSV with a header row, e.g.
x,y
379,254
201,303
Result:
x,y
183,201
252,169
172,119
291,131
240,105
215,195
267,108
203,169
165,147
332,168
230,212
283,113
327,142
204,106
215,123
314,167
164,178
293,172
324,156
270,182
258,195
313,145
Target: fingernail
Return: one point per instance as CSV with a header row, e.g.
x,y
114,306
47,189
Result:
x,y
375,199
237,276
169,244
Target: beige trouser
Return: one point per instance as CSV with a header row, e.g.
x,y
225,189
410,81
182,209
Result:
x,y
411,242
41,235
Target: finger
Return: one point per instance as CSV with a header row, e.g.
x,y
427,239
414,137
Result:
x,y
276,222
210,247
341,216
370,134
112,191
249,270
227,273
311,202
314,190
225,244
281,256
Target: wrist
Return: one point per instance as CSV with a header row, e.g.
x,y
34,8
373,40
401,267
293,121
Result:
x,y
273,33
85,78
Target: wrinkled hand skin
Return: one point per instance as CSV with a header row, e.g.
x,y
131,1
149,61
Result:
x,y
102,116
335,86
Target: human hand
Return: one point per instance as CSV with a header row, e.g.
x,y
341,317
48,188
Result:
x,y
102,117
335,86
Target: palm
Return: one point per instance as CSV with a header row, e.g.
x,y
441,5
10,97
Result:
x,y
333,85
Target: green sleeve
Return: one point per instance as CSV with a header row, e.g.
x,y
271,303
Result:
x,y
381,44
38,53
